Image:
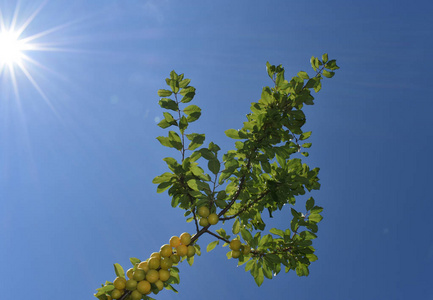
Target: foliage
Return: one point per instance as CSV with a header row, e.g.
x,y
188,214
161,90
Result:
x,y
261,175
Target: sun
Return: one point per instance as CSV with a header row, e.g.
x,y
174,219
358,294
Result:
x,y
16,49
11,48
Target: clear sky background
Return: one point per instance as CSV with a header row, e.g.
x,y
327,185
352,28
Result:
x,y
78,153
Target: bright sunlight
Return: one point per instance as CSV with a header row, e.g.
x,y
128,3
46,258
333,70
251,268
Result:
x,y
10,48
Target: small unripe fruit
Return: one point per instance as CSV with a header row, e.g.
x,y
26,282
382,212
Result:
x,y
139,275
143,287
152,276
235,245
153,263
190,251
135,295
175,258
116,294
144,266
213,219
185,238
164,275
236,253
203,211
246,250
159,284
203,222
131,284
166,263
119,283
165,251
182,250
174,241
130,273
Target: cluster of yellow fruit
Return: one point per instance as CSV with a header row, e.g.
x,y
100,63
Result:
x,y
237,248
151,274
207,218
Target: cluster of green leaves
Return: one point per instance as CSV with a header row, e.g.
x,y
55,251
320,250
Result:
x,y
264,172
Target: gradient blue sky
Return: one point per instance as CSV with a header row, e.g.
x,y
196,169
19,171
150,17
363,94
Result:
x,y
76,163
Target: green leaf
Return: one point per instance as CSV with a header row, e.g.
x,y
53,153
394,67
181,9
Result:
x,y
163,186
328,74
318,87
325,58
315,218
193,112
246,235
313,63
171,288
303,75
236,227
212,245
301,269
188,94
183,124
193,184
168,104
164,93
119,270
184,83
196,140
249,265
232,133
169,118
190,260
305,135
175,140
259,277
306,145
164,124
277,232
134,261
214,166
309,204
165,141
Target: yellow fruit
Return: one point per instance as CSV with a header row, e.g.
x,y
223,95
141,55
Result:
x,y
119,283
164,275
135,295
190,251
203,211
139,275
131,284
130,273
235,245
166,263
175,258
165,250
181,250
159,284
213,219
156,254
203,222
153,263
174,241
116,294
152,276
143,287
236,253
185,238
246,250
144,266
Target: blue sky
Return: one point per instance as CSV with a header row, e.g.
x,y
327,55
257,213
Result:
x,y
77,156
